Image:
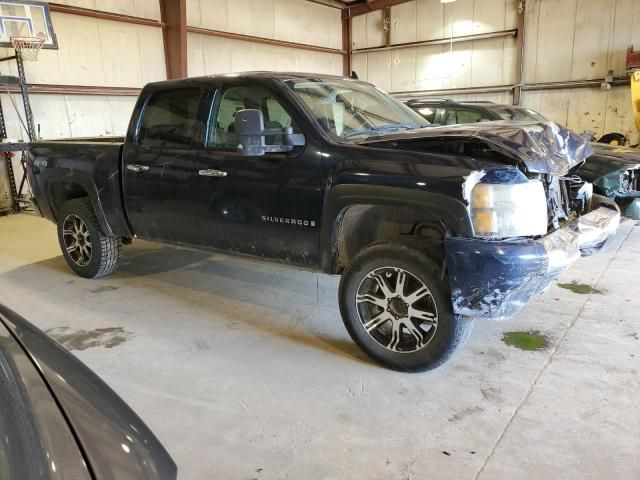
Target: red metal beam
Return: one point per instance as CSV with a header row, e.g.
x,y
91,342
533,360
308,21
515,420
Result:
x,y
372,5
266,41
117,17
47,88
174,15
346,44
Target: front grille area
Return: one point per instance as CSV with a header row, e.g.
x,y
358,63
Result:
x,y
579,194
567,197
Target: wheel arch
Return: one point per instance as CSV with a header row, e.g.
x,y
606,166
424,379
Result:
x,y
61,189
357,216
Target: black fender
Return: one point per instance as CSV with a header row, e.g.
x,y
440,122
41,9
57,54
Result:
x,y
428,206
111,222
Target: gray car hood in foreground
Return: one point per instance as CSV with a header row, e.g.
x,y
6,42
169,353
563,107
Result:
x,y
115,442
544,147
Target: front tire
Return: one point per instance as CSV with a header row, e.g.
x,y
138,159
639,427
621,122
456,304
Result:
x,y
89,252
396,305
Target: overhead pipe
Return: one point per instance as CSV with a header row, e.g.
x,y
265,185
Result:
x,y
441,41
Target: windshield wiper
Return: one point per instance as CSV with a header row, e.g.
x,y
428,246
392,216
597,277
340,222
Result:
x,y
380,128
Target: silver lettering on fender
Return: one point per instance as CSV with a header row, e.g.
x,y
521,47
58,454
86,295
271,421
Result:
x,y
289,221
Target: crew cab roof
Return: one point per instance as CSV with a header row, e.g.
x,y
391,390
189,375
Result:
x,y
281,76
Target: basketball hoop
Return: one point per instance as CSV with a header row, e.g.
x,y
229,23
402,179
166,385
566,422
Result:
x,y
28,47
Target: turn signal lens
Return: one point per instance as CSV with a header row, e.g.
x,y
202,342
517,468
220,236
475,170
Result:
x,y
512,210
481,196
485,221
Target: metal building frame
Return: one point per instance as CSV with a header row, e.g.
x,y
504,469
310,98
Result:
x,y
17,192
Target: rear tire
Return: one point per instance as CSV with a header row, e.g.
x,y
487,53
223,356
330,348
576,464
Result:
x,y
88,251
396,305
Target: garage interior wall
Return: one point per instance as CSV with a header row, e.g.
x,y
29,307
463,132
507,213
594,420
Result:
x,y
294,21
110,53
92,52
566,41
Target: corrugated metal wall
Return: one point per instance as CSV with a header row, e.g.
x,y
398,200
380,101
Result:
x,y
566,40
94,52
289,20
460,65
579,40
107,53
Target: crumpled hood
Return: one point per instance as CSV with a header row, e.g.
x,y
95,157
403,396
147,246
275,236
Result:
x,y
544,147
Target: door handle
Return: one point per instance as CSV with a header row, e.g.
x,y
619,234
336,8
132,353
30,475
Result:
x,y
135,167
212,173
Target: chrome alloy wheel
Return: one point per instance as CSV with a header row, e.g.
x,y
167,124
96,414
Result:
x,y
77,240
397,309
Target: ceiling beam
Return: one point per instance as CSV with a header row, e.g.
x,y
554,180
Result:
x,y
372,5
329,3
86,12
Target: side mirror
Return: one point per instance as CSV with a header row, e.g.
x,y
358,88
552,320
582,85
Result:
x,y
251,134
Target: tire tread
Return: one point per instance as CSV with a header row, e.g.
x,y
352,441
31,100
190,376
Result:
x,y
460,327
109,247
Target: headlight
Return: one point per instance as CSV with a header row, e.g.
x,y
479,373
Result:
x,y
514,210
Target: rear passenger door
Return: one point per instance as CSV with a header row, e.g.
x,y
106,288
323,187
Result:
x,y
159,179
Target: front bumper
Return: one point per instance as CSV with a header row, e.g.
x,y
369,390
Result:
x,y
495,279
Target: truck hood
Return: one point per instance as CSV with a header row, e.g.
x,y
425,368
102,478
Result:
x,y
543,147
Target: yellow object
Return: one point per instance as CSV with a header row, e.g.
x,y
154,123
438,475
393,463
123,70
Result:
x,y
635,97
485,222
481,196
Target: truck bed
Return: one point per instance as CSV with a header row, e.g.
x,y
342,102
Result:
x,y
94,164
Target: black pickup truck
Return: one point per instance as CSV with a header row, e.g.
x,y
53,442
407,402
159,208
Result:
x,y
429,228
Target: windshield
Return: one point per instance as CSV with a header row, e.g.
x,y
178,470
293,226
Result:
x,y
352,109
525,114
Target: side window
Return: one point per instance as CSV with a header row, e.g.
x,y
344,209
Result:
x,y
427,112
222,128
450,117
470,116
170,118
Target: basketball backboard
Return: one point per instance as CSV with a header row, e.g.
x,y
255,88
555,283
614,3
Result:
x,y
25,18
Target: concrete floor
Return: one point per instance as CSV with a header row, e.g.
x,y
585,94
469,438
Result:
x,y
244,370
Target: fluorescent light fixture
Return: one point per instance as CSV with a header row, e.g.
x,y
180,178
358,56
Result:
x,y
447,1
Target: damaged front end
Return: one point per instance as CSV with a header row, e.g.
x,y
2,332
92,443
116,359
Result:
x,y
523,239
495,279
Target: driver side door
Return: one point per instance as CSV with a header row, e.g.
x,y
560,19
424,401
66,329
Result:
x,y
269,205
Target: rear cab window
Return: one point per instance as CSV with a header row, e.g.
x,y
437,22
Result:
x,y
170,118
428,112
456,116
